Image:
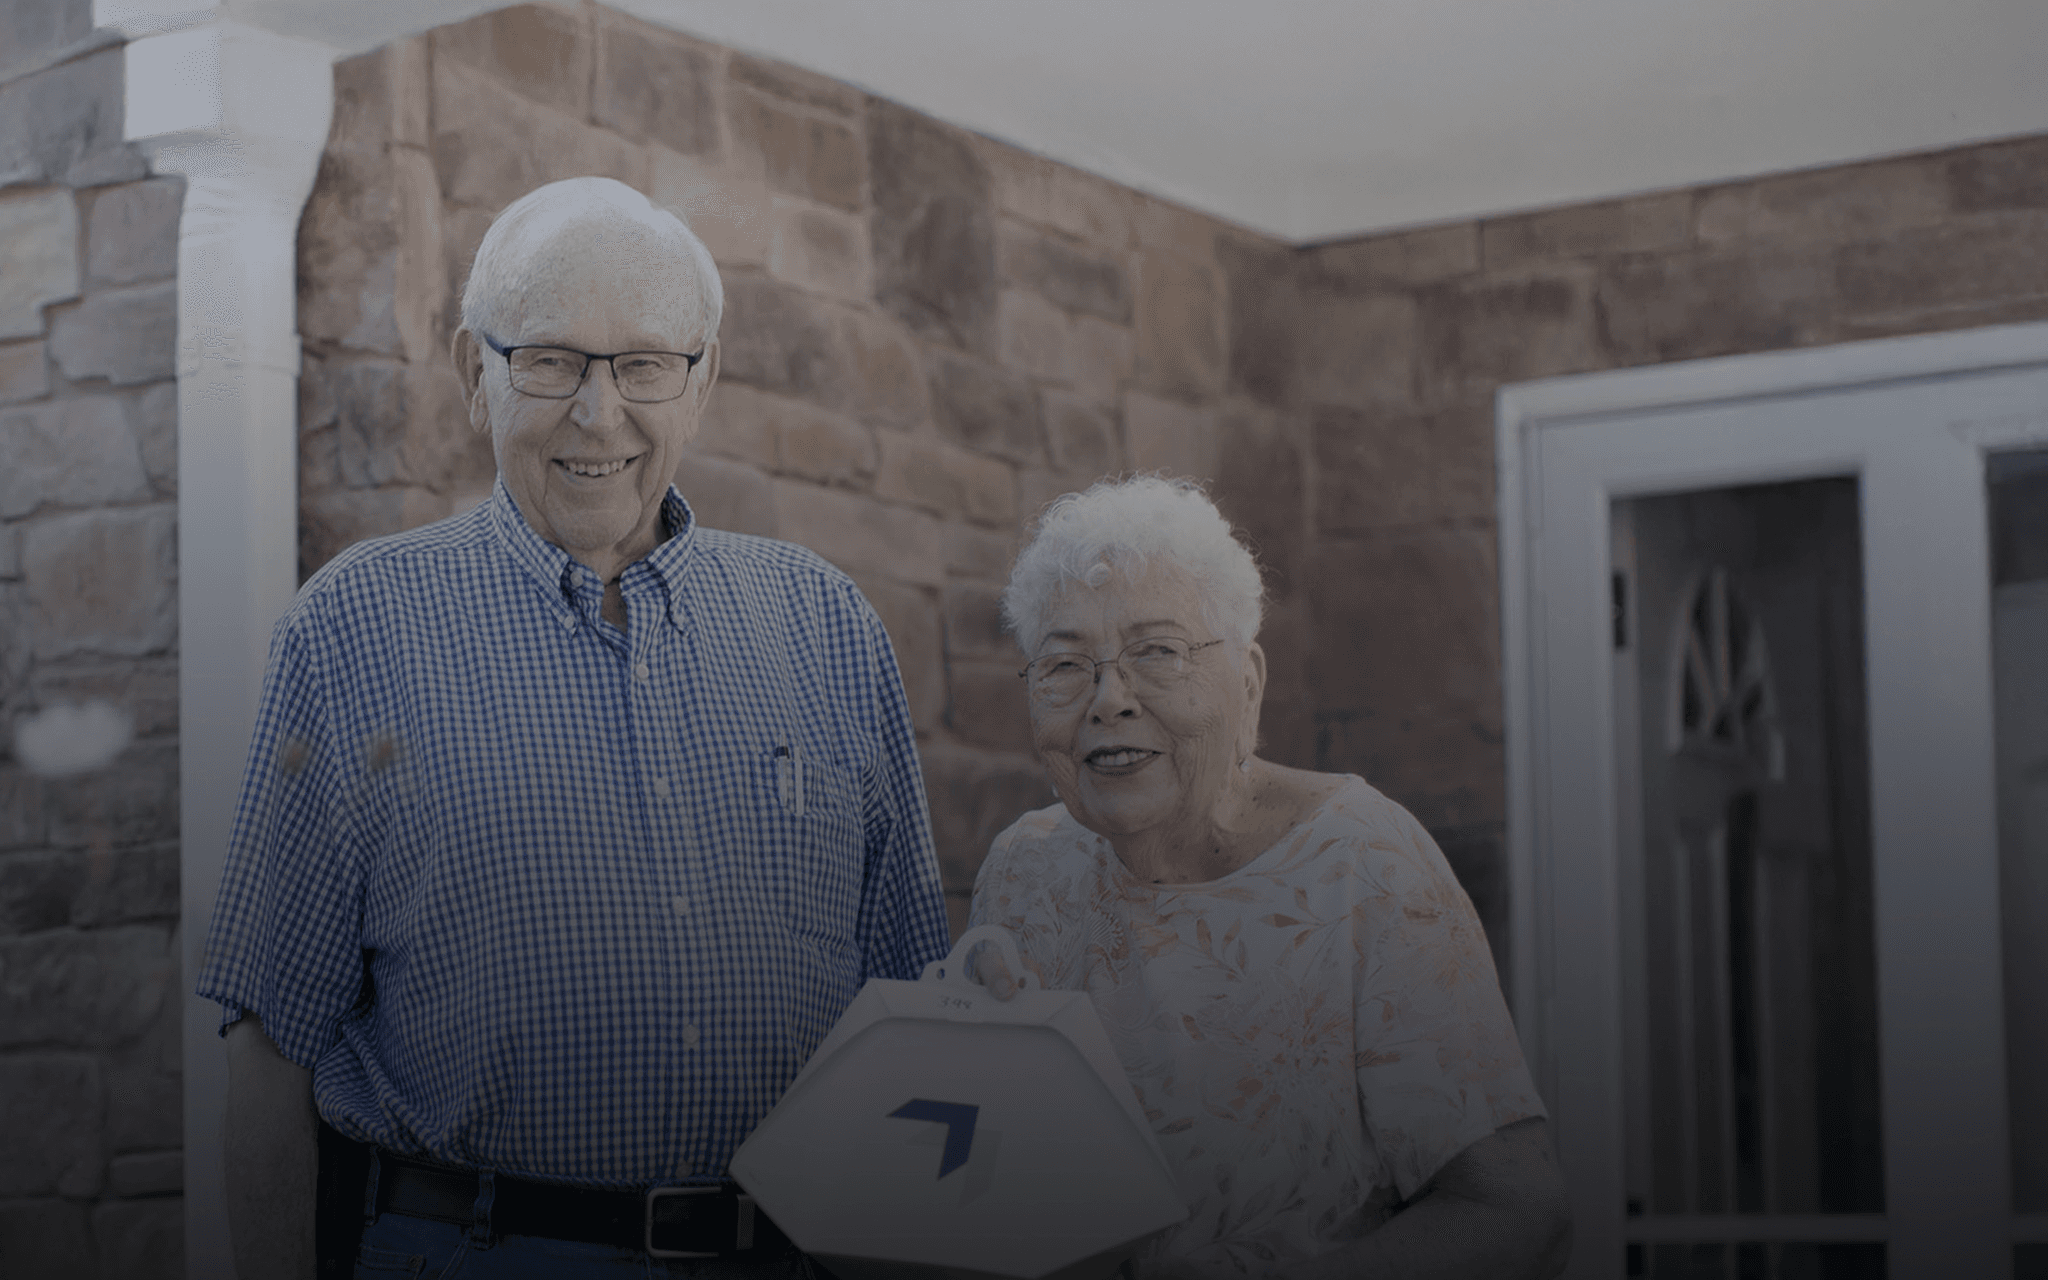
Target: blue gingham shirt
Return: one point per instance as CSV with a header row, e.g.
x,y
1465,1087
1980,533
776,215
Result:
x,y
533,894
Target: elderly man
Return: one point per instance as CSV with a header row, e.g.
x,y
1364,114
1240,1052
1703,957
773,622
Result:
x,y
569,826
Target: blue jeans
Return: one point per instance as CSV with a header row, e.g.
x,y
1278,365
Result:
x,y
396,1245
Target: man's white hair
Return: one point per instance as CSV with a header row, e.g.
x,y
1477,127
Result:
x,y
1126,526
603,213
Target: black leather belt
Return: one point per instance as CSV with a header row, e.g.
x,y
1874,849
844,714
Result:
x,y
705,1221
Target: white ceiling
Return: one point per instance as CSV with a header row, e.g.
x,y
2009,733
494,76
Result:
x,y
1318,119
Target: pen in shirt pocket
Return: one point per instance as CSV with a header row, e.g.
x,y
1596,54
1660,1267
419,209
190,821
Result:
x,y
789,777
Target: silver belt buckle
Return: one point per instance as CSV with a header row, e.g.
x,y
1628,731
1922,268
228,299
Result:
x,y
743,1226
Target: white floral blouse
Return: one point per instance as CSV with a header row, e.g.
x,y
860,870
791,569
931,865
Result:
x,y
1312,1036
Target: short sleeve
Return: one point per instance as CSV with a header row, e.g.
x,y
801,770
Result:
x,y
1438,1062
285,939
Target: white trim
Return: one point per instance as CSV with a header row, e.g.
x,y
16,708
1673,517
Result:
x,y
1884,411
242,114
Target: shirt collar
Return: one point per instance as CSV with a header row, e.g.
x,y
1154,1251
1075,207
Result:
x,y
555,571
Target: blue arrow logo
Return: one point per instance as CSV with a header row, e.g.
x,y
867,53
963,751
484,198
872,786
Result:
x,y
958,1117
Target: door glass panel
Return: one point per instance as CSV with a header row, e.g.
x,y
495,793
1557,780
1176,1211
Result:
x,y
2017,497
1749,980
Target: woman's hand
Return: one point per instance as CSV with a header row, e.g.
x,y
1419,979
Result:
x,y
994,973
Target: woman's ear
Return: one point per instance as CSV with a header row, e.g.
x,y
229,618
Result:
x,y
469,367
1255,697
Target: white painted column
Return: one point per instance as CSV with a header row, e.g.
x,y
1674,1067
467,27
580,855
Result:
x,y
242,114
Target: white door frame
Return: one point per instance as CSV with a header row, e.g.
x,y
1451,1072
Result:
x,y
1911,417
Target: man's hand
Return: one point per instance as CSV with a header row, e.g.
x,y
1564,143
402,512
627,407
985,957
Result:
x,y
273,1160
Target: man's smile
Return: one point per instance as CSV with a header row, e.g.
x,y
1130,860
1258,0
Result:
x,y
596,470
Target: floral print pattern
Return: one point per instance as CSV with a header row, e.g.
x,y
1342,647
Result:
x,y
1312,1036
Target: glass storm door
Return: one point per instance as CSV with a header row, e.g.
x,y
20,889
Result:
x,y
1777,663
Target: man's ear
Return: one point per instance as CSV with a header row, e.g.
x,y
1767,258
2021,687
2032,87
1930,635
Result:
x,y
469,367
705,373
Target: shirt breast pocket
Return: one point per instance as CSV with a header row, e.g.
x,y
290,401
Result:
x,y
811,849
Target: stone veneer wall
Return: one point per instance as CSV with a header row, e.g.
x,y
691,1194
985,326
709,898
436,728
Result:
x,y
927,335
90,1101
1393,346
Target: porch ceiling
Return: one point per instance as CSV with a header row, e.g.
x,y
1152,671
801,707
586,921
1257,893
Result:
x,y
1318,119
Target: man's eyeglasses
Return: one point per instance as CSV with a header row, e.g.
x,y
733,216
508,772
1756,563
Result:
x,y
1156,665
554,373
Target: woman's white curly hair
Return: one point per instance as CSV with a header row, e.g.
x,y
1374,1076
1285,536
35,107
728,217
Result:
x,y
1126,526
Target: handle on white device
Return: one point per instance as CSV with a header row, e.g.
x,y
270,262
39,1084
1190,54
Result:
x,y
954,967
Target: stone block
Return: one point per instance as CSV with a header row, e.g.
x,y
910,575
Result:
x,y
132,233
1355,348
140,1238
1085,353
38,256
123,335
1659,223
132,801
333,520
38,890
1036,487
153,416
728,495
538,51
492,145
1419,615
146,690
946,480
862,535
794,84
911,617
980,554
1170,437
50,1111
462,230
31,31
985,407
423,310
1478,335
1261,488
382,98
886,382
1977,261
145,1104
974,623
1162,227
932,230
24,372
827,449
654,85
1287,715
1070,276
1262,320
1377,471
733,216
348,255
47,1238
1821,208
820,249
746,425
370,398
68,453
1444,765
1399,260
1081,435
22,821
986,706
146,1173
974,795
10,555
84,990
1180,329
1716,302
798,153
781,340
128,886
102,582
1998,175
65,124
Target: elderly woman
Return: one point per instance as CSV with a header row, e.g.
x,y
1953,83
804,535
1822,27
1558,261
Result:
x,y
1298,989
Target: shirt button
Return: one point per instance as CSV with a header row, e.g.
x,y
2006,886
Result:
x,y
660,788
639,671
679,905
690,1036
